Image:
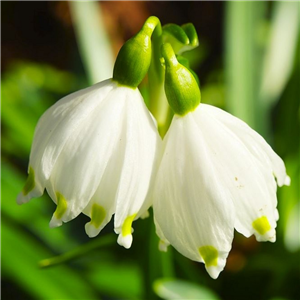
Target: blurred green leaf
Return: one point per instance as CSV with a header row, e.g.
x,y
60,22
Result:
x,y
281,50
289,207
27,90
292,234
243,60
19,262
34,215
117,279
169,289
92,40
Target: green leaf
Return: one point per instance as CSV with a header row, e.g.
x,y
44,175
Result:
x,y
168,288
34,215
20,254
281,50
92,40
27,91
289,207
243,61
122,280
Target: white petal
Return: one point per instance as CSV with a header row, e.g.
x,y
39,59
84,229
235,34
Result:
x,y
85,155
244,169
109,160
163,242
139,156
163,246
105,195
125,240
193,211
59,122
21,198
287,181
254,142
31,189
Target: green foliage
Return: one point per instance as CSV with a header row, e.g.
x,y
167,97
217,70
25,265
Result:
x,y
27,90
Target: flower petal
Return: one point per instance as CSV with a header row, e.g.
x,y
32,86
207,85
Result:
x,y
59,122
83,160
139,160
192,210
105,195
252,140
242,171
31,189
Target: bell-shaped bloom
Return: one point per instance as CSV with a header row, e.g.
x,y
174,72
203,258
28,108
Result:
x,y
215,174
94,151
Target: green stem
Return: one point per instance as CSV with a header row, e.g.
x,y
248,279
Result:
x,y
158,103
160,264
77,252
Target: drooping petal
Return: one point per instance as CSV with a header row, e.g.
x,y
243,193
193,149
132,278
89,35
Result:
x,y
163,242
80,166
51,132
58,123
252,140
31,189
139,161
244,169
192,210
103,203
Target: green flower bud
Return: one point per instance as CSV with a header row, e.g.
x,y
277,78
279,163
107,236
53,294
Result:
x,y
134,58
182,38
181,87
186,63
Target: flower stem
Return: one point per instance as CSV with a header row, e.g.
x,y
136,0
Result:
x,y
77,252
158,103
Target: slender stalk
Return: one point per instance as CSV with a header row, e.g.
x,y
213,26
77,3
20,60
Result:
x,y
167,263
159,264
158,103
78,252
92,40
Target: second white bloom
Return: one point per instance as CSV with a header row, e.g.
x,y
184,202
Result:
x,y
215,174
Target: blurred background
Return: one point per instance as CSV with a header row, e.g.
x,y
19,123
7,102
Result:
x,y
248,63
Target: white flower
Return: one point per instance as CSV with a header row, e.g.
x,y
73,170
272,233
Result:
x,y
215,174
94,151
